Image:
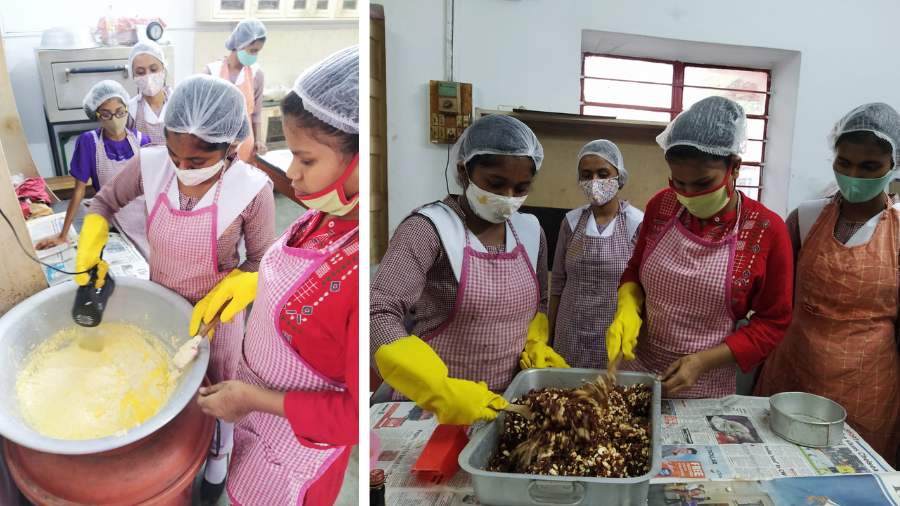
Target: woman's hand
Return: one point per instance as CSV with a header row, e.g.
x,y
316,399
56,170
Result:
x,y
50,242
682,374
229,401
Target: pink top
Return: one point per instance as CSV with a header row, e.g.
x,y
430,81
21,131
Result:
x,y
415,275
256,223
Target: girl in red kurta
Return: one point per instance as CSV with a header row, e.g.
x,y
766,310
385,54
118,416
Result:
x,y
295,399
706,257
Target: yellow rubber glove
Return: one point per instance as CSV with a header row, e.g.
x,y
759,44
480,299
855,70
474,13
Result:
x,y
622,334
538,354
237,289
93,237
416,371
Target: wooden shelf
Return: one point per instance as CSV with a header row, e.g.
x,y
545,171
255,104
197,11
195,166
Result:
x,y
560,118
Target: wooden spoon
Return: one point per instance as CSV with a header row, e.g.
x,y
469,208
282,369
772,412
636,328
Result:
x,y
188,351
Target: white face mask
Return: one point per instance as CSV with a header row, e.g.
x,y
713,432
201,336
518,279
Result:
x,y
490,206
193,177
150,84
600,191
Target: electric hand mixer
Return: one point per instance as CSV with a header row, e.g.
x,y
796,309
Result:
x,y
90,302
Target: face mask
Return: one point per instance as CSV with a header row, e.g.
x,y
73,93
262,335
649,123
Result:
x,y
114,126
860,189
150,84
333,199
600,191
490,206
193,177
707,203
246,58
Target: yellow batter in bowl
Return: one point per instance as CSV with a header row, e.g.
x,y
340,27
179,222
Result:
x,y
86,383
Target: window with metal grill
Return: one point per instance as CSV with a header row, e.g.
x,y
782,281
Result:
x,y
657,90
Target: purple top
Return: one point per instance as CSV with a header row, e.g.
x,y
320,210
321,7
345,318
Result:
x,y
84,159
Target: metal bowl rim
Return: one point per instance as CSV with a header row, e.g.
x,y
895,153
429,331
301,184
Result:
x,y
39,442
818,398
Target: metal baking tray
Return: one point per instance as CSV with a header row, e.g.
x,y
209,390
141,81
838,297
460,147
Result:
x,y
514,489
807,419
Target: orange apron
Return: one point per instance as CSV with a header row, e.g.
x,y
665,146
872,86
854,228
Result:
x,y
245,149
842,343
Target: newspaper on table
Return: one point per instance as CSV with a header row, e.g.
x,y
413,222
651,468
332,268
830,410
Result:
x,y
121,255
839,490
403,430
730,439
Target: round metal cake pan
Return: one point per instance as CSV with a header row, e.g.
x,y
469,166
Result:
x,y
807,419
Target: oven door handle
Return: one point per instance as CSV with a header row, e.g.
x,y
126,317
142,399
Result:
x,y
98,70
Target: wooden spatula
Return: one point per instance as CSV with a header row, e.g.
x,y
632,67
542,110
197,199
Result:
x,y
188,351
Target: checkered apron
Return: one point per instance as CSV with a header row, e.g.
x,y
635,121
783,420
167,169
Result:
x,y
155,131
497,298
130,220
184,258
841,343
687,282
588,303
270,466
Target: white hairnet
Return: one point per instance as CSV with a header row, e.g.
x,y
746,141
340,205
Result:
x,y
149,47
878,118
330,90
101,92
245,33
608,151
211,108
498,134
714,125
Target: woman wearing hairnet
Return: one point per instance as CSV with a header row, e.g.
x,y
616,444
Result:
x,y
595,242
147,65
475,272
239,67
201,203
706,257
99,156
842,341
296,395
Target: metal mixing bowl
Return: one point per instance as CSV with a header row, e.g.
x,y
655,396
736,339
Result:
x,y
148,305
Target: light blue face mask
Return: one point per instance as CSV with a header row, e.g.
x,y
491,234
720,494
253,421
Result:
x,y
246,58
860,189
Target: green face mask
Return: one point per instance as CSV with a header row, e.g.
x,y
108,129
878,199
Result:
x,y
860,189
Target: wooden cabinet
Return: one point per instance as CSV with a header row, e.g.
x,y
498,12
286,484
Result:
x,y
285,10
378,174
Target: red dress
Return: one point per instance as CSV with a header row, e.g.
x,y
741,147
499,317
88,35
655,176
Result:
x,y
761,275
328,340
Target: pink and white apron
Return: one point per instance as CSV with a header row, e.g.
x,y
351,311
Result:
x,y
131,220
244,82
497,297
687,282
155,131
270,466
594,264
184,258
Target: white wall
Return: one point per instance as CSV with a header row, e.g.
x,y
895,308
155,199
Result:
x,y
21,24
528,53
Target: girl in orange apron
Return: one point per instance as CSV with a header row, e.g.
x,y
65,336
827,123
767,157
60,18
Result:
x,y
295,397
842,343
240,68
